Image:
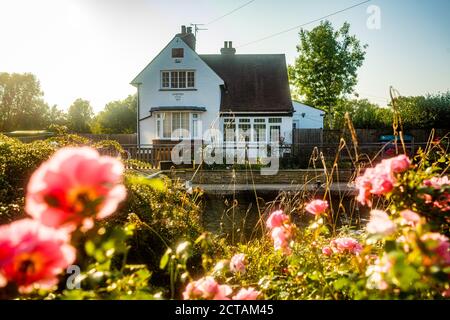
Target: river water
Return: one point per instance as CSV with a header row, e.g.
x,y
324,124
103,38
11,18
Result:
x,y
238,217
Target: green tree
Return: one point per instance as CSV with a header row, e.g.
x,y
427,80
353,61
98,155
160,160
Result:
x,y
21,104
364,114
326,68
56,116
117,117
79,116
367,115
430,111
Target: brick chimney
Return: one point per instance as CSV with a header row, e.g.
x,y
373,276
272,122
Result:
x,y
187,36
228,48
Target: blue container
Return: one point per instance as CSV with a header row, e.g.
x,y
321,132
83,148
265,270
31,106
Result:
x,y
391,138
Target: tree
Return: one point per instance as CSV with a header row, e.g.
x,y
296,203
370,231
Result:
x,y
21,103
364,114
117,117
367,115
326,68
430,111
56,117
79,116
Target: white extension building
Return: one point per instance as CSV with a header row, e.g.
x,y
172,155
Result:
x,y
182,94
306,117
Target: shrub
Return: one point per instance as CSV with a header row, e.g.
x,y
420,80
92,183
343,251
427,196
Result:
x,y
164,214
17,161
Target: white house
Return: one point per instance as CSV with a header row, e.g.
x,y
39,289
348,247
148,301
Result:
x,y
306,117
182,94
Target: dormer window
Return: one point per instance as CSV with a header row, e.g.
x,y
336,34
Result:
x,y
178,79
177,53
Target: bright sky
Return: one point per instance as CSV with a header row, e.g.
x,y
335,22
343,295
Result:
x,y
92,49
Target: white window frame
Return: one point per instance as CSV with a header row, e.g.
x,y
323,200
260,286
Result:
x,y
193,119
253,121
186,78
195,125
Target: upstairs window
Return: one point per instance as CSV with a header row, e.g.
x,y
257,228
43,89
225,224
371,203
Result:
x,y
177,53
182,79
165,79
190,79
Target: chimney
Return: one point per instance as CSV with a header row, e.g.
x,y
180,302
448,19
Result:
x,y
228,48
187,36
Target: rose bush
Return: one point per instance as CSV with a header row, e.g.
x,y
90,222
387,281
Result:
x,y
403,252
134,238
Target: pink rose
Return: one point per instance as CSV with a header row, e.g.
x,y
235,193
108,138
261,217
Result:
x,y
191,291
237,263
277,219
33,255
437,182
376,273
446,293
74,186
410,217
380,180
346,245
223,292
364,186
281,237
400,163
317,207
439,244
206,288
247,294
380,223
327,251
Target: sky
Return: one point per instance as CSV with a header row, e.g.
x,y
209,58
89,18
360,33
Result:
x,y
92,49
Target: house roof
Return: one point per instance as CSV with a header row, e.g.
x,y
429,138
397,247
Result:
x,y
253,82
301,104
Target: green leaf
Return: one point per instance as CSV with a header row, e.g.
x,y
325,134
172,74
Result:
x,y
165,259
390,245
340,283
90,248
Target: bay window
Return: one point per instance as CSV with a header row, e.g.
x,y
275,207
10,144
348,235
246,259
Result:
x,y
176,125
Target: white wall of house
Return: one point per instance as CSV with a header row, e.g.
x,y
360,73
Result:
x,y
206,93
306,117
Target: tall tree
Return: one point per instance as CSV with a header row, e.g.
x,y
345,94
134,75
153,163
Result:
x,y
57,116
21,103
117,117
326,68
79,116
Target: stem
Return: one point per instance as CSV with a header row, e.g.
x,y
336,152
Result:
x,y
323,276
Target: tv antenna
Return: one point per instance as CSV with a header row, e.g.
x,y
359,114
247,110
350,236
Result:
x,y
197,29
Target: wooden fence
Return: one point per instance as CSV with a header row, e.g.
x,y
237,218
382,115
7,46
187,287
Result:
x,y
152,155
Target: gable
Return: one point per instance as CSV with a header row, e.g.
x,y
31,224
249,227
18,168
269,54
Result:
x,y
165,55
